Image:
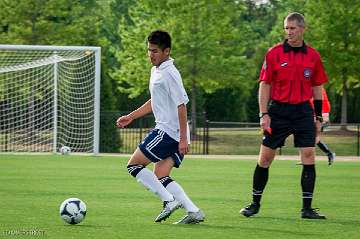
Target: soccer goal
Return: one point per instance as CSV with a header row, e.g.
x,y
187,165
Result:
x,y
49,98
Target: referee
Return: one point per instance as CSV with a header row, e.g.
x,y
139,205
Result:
x,y
291,75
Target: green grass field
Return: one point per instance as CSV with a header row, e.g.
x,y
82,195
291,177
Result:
x,y
33,187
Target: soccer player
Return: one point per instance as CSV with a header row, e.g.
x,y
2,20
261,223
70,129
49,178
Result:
x,y
291,75
167,143
325,120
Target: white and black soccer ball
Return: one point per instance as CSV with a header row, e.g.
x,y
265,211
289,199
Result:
x,y
65,150
73,210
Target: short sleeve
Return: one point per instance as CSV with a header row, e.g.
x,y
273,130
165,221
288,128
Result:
x,y
266,70
176,89
320,76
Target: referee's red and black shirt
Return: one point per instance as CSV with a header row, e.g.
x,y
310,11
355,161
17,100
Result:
x,y
292,72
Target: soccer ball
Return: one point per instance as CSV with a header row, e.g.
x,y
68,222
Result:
x,y
65,150
73,210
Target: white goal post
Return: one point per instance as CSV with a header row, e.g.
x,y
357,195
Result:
x,y
49,98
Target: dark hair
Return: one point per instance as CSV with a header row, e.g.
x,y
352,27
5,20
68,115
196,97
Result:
x,y
295,16
160,38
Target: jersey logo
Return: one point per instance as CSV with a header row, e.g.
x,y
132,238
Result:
x,y
307,72
284,64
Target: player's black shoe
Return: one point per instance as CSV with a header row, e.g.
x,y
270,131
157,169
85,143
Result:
x,y
250,210
331,157
311,213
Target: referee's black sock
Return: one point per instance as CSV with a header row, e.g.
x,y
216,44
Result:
x,y
260,179
323,147
307,184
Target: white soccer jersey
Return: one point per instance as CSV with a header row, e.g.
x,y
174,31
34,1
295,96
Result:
x,y
167,93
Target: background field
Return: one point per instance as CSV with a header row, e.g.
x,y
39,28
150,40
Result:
x,y
246,141
32,188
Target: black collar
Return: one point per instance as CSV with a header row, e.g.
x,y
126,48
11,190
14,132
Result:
x,y
288,48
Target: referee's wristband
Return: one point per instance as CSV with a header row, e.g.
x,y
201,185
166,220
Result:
x,y
318,107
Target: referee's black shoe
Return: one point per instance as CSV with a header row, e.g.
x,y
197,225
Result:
x,y
250,210
311,213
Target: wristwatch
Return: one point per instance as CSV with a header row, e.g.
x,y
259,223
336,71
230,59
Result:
x,y
261,114
320,119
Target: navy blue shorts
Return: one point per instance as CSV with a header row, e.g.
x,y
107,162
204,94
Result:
x,y
158,145
287,119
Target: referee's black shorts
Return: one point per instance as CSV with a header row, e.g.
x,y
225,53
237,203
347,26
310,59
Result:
x,y
287,119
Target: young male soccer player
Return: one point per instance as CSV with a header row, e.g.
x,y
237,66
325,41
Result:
x,y
167,143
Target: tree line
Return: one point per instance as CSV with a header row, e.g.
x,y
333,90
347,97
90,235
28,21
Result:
x,y
218,46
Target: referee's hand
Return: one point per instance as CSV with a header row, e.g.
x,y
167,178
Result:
x,y
265,122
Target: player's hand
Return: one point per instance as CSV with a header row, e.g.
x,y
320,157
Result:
x,y
265,123
326,118
183,146
123,121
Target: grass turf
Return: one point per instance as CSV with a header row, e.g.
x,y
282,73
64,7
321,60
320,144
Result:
x,y
33,187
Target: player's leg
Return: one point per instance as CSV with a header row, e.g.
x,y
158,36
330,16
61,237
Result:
x,y
308,178
304,139
137,168
308,175
162,171
152,149
323,147
326,150
157,147
281,129
169,206
260,178
261,173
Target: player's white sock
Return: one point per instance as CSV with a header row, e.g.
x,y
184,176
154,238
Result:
x,y
150,181
175,189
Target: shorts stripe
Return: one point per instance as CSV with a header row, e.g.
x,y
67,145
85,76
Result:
x,y
148,150
177,156
155,141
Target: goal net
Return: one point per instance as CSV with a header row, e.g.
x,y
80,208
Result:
x,y
49,98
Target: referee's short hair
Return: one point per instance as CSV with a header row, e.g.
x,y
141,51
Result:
x,y
295,16
160,38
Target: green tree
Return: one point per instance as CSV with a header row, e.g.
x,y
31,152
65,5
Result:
x,y
112,101
58,22
207,45
335,30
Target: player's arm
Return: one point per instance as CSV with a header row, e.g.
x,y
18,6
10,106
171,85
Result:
x,y
264,98
183,143
139,112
